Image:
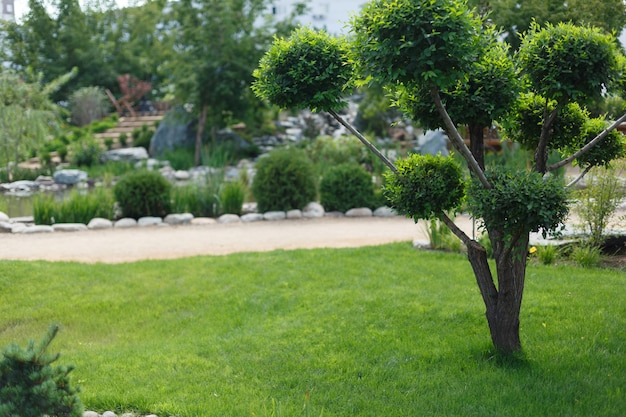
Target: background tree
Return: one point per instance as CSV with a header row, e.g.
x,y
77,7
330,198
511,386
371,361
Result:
x,y
515,16
27,115
428,47
217,45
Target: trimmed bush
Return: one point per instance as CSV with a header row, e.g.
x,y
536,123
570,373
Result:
x,y
143,193
285,180
346,186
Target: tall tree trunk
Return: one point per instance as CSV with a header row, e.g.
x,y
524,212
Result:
x,y
199,135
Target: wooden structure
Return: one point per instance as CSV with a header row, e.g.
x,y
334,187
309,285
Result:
x,y
133,90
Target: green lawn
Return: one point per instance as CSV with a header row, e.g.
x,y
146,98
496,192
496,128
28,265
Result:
x,y
377,331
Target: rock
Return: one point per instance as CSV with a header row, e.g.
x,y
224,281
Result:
x,y
18,227
182,175
90,414
274,215
4,217
6,227
294,214
176,130
421,244
70,176
23,219
433,142
385,211
125,222
37,229
249,207
132,155
100,223
20,186
109,414
178,218
149,221
203,221
251,217
359,212
69,227
334,214
228,218
313,210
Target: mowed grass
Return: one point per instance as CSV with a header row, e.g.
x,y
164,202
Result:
x,y
375,331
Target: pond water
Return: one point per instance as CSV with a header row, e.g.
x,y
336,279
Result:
x,y
16,205
21,204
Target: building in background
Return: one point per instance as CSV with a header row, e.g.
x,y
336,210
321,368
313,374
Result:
x,y
333,16
8,10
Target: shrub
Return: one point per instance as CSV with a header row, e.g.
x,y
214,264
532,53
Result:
x,y
598,201
143,193
285,180
586,256
326,152
123,138
88,104
346,186
180,158
547,254
232,196
31,387
86,152
77,208
199,199
108,142
142,136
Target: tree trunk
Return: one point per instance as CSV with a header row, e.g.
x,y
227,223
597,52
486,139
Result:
x,y
477,144
199,134
503,319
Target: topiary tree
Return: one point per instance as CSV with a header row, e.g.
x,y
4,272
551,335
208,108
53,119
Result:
x,y
427,51
285,179
143,193
31,387
346,186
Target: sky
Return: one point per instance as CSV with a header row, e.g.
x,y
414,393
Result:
x,y
21,7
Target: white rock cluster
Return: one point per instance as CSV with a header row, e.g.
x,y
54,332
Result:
x,y
112,414
25,225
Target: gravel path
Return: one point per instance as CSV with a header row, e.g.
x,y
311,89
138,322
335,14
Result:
x,y
154,242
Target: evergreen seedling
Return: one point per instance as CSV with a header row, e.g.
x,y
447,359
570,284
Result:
x,y
31,387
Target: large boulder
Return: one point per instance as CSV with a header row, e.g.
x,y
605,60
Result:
x,y
176,130
130,155
70,176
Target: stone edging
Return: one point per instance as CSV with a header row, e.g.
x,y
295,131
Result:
x,y
312,210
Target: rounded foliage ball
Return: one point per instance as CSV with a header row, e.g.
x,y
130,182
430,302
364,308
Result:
x,y
565,61
143,193
416,41
285,179
346,186
425,186
519,201
309,69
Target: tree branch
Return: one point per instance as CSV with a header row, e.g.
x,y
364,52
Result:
x,y
588,146
580,177
457,140
541,153
454,228
366,142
